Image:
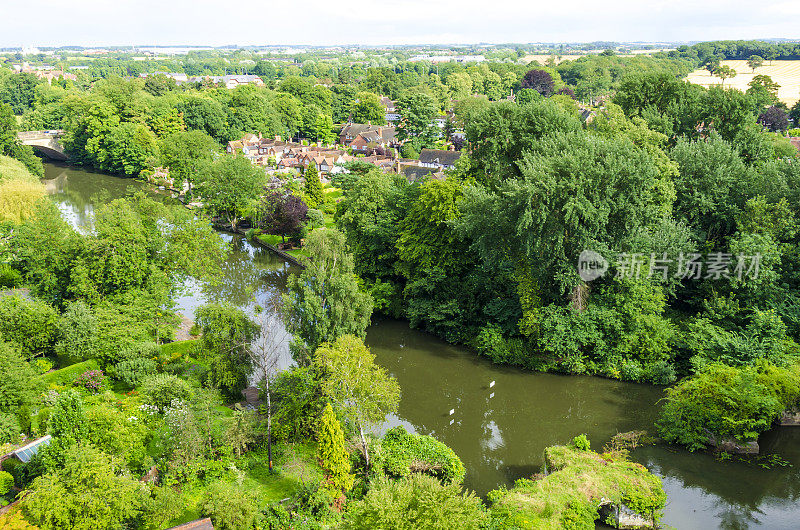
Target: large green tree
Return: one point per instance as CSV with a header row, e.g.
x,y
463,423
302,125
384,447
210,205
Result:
x,y
230,187
324,301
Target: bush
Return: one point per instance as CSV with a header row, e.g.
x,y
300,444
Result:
x,y
137,363
161,389
10,431
77,332
727,401
43,365
31,325
581,443
67,375
229,507
9,278
401,454
91,380
19,384
416,501
6,482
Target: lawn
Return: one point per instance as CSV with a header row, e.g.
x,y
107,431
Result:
x,y
294,464
785,73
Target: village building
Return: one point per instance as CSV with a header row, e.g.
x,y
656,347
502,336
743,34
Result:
x,y
438,158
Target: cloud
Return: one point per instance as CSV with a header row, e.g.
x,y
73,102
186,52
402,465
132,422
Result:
x,y
125,22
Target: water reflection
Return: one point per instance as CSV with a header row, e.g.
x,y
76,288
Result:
x,y
500,433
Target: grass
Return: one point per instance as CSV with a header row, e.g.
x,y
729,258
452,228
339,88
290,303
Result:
x,y
785,73
184,348
579,478
11,169
294,464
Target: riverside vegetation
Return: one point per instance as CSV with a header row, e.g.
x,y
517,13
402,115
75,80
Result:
x,y
486,257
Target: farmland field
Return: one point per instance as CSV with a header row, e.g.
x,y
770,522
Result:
x,y
785,73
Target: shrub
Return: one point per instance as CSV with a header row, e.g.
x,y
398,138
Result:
x,y
31,325
332,453
43,365
402,453
161,389
77,332
727,401
137,363
10,431
416,501
6,482
67,375
229,507
581,443
91,380
9,278
18,381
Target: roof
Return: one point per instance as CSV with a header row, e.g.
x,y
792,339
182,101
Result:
x,y
354,129
439,157
415,173
26,452
199,524
795,142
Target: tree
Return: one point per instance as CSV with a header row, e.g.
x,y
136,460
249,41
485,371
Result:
x,y
185,153
282,213
725,72
540,81
131,147
19,384
367,108
362,391
324,301
755,61
460,85
774,119
417,110
227,336
333,456
712,64
230,186
416,501
764,89
313,187
10,144
91,491
77,332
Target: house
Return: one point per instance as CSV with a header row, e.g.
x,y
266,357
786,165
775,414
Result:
x,y
389,106
384,135
417,173
369,140
438,158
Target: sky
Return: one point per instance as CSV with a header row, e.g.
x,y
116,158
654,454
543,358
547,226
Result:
x,y
369,22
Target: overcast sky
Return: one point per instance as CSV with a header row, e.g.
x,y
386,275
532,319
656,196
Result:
x,y
204,22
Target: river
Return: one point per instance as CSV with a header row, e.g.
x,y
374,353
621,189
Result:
x,y
500,432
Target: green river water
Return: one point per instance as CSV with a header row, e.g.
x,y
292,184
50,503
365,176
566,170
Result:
x,y
501,432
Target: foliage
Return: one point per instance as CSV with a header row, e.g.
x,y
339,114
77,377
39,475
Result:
x,y
230,186
77,332
162,389
538,80
416,501
282,213
298,404
332,454
6,482
313,187
242,431
10,431
230,508
728,402
227,336
774,118
361,390
581,443
400,454
30,325
18,385
324,302
576,483
91,380
90,491
117,434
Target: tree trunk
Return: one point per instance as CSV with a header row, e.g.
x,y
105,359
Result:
x,y
364,449
269,427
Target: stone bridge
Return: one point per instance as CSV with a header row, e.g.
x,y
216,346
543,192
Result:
x,y
46,142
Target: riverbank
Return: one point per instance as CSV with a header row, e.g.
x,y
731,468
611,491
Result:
x,y
500,433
